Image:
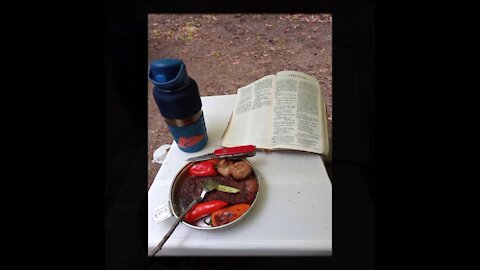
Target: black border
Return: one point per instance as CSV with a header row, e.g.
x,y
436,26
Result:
x,y
353,133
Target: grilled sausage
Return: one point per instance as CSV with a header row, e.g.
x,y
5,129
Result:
x,y
251,185
240,170
223,167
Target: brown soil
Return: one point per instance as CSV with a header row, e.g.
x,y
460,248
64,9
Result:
x,y
225,52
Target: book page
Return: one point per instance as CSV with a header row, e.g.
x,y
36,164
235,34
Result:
x,y
299,119
251,119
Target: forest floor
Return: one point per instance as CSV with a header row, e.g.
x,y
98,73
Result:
x,y
224,52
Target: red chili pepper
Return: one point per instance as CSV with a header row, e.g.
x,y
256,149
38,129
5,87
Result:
x,y
214,161
229,214
204,168
204,209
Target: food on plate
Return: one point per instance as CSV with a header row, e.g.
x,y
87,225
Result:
x,y
239,192
251,185
204,209
214,161
223,167
227,189
240,170
203,168
192,186
229,214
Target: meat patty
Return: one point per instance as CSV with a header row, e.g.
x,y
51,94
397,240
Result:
x,y
192,186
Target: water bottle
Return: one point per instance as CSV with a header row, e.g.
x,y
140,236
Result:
x,y
178,99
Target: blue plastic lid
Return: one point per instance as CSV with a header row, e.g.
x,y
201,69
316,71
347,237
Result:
x,y
168,74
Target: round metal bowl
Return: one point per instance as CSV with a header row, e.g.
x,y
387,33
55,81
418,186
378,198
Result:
x,y
176,208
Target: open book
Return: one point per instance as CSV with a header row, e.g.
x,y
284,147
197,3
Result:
x,y
285,111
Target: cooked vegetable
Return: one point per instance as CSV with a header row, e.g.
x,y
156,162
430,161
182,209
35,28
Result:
x,y
251,185
214,161
223,167
229,214
204,168
203,209
240,170
227,189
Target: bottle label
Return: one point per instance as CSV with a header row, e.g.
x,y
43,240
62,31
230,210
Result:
x,y
191,138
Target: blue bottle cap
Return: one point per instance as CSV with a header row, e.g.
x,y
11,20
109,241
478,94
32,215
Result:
x,y
168,74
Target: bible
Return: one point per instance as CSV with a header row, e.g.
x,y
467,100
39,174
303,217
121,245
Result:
x,y
284,111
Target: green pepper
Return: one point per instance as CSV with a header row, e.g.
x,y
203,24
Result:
x,y
227,189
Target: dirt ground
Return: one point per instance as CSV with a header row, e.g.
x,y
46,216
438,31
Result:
x,y
224,52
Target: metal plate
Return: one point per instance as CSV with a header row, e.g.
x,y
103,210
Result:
x,y
201,224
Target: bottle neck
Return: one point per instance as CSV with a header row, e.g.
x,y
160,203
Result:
x,y
185,121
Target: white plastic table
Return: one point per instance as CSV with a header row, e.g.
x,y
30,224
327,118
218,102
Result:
x,y
291,217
